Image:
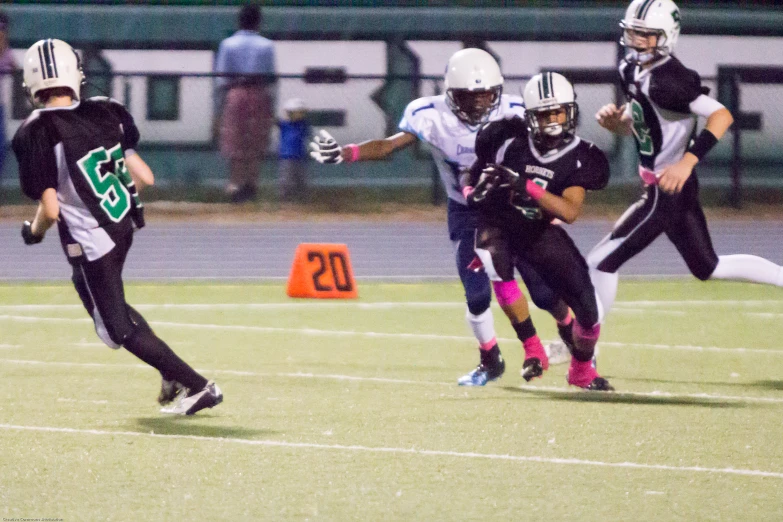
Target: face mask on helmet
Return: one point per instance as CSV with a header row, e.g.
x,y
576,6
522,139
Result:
x,y
473,85
473,107
52,64
650,30
550,110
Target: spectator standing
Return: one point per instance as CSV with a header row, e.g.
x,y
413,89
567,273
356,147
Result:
x,y
292,152
7,67
244,102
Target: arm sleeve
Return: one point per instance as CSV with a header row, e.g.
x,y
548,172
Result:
x,y
130,133
414,118
37,162
704,106
593,173
675,92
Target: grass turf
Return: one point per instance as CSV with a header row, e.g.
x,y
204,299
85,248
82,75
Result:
x,y
349,410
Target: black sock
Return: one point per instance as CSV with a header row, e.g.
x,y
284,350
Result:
x,y
153,351
525,330
491,357
567,334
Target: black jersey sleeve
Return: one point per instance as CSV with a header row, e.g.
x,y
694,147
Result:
x,y
130,133
673,86
489,140
34,152
593,168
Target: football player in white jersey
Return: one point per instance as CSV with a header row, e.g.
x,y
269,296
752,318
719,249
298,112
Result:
x,y
449,123
664,100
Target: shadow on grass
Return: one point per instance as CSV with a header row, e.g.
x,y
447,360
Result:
x,y
766,385
625,398
186,425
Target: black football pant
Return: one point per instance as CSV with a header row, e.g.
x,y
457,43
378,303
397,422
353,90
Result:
x,y
679,216
99,285
552,254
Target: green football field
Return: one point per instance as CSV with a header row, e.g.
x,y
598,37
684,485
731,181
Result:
x,y
348,410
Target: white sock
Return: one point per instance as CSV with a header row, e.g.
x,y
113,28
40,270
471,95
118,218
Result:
x,y
483,326
605,284
748,268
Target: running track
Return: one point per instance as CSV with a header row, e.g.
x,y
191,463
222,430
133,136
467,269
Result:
x,y
384,251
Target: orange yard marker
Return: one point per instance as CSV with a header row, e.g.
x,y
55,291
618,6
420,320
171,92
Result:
x,y
322,271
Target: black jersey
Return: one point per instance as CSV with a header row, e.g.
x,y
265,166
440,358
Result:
x,y
80,151
507,142
659,101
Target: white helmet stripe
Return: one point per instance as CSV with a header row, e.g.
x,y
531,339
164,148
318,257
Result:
x,y
642,12
43,67
54,60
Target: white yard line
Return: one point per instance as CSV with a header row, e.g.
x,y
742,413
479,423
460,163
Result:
x,y
403,451
385,380
399,335
626,305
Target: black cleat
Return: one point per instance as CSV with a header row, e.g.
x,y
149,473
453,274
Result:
x,y
600,384
532,368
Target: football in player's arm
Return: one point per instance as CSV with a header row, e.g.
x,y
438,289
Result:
x,y
527,173
77,159
664,101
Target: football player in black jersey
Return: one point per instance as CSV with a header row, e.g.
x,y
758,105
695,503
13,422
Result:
x,y
77,158
527,173
664,100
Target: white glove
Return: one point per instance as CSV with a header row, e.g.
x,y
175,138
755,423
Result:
x,y
326,149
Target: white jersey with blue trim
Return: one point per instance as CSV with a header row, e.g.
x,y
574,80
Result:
x,y
451,141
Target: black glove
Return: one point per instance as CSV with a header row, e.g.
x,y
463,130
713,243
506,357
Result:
x,y
507,177
493,188
28,236
137,216
325,149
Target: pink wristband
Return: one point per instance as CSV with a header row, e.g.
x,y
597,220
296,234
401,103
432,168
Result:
x,y
353,152
533,190
467,191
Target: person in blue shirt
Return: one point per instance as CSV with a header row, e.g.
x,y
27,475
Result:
x,y
292,152
244,102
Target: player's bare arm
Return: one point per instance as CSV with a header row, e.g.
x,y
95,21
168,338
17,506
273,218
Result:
x,y
140,172
567,207
325,148
674,177
614,119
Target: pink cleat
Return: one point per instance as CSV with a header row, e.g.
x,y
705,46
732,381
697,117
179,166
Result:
x,y
536,360
583,374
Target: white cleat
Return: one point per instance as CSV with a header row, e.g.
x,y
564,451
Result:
x,y
558,353
209,397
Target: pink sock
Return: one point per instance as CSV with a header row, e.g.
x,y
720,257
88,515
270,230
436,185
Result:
x,y
581,373
534,348
487,346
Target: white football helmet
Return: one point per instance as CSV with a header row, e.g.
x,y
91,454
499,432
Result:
x,y
52,63
546,92
659,17
470,73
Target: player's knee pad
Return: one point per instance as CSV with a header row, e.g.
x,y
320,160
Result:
x,y
478,300
113,332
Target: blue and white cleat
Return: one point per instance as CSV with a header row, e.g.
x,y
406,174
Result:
x,y
482,375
